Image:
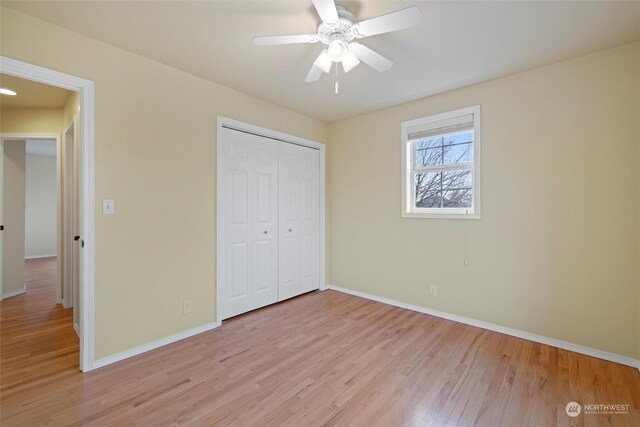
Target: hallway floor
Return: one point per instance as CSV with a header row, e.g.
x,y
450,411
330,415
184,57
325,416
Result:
x,y
38,341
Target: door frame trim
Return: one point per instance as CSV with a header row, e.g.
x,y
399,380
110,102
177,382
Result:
x,y
268,133
86,116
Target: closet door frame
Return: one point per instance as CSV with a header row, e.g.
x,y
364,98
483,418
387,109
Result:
x,y
224,122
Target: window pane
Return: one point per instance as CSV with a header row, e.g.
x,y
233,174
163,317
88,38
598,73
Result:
x,y
433,200
458,138
429,143
456,179
458,153
427,189
428,157
456,198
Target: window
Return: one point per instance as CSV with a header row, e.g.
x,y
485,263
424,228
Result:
x,y
441,165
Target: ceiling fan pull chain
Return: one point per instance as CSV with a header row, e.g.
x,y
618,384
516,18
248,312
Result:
x,y
336,89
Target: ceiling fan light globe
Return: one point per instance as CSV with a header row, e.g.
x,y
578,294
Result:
x,y
349,62
324,61
337,50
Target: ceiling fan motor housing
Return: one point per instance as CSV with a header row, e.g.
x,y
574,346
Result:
x,y
343,30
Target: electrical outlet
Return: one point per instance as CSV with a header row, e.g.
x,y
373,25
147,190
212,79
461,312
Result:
x,y
433,290
186,307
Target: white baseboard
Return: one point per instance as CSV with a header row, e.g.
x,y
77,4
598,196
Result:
x,y
41,256
77,329
14,293
153,345
623,360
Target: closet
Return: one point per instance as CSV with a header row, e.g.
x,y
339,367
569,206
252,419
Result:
x,y
269,225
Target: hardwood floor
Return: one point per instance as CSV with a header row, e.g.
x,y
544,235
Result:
x,y
324,358
38,340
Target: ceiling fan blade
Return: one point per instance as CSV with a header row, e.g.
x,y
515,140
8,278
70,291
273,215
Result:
x,y
276,40
369,57
327,10
394,21
314,74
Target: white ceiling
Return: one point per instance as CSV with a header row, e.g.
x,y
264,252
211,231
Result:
x,y
459,43
41,147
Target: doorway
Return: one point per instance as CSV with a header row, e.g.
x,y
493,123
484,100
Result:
x,y
81,128
37,311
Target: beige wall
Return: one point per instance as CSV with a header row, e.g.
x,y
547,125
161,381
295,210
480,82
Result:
x,y
71,108
13,216
36,120
556,251
156,156
41,206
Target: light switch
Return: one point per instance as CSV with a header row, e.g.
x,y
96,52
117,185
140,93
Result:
x,y
108,207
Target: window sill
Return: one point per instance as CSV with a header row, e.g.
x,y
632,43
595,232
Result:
x,y
440,215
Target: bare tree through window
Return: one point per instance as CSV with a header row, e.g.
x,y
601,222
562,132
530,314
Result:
x,y
445,188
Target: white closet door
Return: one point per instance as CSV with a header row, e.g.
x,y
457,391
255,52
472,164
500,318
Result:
x,y
299,221
249,270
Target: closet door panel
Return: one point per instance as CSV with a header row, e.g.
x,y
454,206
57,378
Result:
x,y
239,271
264,269
309,220
288,275
288,234
299,220
249,195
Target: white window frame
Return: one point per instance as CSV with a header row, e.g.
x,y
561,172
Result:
x,y
407,168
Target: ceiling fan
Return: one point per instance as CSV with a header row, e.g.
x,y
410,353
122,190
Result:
x,y
338,30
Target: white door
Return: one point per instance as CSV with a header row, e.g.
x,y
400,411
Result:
x,y
299,221
68,228
77,226
249,221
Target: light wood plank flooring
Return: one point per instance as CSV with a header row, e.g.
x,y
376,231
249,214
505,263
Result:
x,y
38,340
324,358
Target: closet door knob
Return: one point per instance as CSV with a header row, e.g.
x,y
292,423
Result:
x,y
265,232
290,230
